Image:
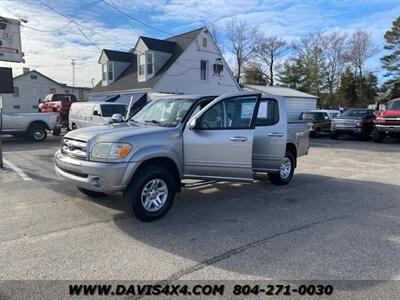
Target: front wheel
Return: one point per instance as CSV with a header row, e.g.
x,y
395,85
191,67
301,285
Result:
x,y
378,136
286,170
150,194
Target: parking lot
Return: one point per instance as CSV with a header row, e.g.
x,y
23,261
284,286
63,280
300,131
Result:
x,y
338,219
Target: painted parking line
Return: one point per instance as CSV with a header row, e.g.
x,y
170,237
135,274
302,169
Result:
x,y
17,170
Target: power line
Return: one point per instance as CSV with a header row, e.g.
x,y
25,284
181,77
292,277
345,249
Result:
x,y
85,27
86,37
48,31
135,19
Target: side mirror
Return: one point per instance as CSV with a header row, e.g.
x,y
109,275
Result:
x,y
95,113
116,118
194,124
326,118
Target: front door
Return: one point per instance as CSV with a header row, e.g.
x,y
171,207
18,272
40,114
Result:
x,y
219,145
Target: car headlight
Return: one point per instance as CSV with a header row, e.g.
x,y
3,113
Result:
x,y
111,150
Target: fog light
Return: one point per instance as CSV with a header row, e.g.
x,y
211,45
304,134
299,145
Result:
x,y
97,182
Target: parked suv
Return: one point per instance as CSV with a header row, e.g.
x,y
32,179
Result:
x,y
229,138
321,120
357,122
387,122
60,103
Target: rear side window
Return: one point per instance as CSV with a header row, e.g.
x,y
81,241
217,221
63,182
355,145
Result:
x,y
268,112
109,110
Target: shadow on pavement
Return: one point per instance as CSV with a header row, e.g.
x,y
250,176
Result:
x,y
316,228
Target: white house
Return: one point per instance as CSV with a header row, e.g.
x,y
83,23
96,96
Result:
x,y
31,86
189,63
296,101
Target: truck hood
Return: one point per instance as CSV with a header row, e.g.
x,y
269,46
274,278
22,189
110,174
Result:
x,y
390,113
114,132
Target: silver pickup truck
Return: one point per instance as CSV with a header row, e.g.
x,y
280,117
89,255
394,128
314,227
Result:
x,y
228,138
31,125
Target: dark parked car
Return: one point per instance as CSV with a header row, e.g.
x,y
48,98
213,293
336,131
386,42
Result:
x,y
357,122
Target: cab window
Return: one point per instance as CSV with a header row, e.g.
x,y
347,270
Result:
x,y
268,112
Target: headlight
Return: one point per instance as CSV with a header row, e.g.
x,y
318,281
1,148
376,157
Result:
x,y
111,150
359,123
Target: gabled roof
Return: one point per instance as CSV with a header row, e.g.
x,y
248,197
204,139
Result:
x,y
159,45
118,55
128,80
279,91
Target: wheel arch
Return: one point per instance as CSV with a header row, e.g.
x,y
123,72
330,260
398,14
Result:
x,y
38,122
292,148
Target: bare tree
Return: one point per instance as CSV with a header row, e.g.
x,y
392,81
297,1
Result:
x,y
269,50
335,53
241,39
361,49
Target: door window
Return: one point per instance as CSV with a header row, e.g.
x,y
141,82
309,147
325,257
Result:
x,y
231,113
268,112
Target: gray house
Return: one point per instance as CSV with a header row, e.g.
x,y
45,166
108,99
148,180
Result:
x,y
189,63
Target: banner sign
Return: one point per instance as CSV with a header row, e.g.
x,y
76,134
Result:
x,y
10,40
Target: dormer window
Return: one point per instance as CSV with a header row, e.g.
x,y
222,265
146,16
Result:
x,y
110,71
142,61
149,62
205,42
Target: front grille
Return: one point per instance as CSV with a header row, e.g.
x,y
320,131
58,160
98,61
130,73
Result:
x,y
74,148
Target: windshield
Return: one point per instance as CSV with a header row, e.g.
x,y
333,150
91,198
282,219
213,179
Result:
x,y
393,105
163,112
312,116
108,110
354,113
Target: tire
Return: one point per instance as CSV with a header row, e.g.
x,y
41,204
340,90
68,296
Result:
x,y
333,136
284,176
136,196
37,132
56,131
378,136
91,194
317,132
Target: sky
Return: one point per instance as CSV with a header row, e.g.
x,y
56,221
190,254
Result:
x,y
50,51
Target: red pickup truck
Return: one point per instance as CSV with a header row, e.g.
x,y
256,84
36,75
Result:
x,y
387,122
60,103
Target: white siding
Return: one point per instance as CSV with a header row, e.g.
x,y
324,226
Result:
x,y
30,90
183,77
295,106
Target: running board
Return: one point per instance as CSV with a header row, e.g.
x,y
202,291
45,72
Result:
x,y
197,184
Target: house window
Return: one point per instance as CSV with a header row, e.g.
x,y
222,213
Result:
x,y
66,91
110,71
149,63
53,91
103,71
80,94
203,69
205,42
35,107
16,91
141,64
34,77
16,107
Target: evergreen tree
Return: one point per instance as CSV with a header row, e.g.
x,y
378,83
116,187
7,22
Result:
x,y
391,61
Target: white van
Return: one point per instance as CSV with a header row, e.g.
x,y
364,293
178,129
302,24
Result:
x,y
86,114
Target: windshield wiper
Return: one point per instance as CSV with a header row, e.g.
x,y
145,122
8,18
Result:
x,y
152,122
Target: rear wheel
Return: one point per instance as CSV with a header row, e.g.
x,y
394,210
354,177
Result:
x,y
150,194
37,132
91,194
317,132
378,136
286,170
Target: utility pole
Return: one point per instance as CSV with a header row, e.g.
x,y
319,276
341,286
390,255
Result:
x,y
73,63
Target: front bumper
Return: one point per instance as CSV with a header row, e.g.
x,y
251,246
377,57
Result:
x,y
114,177
347,130
388,128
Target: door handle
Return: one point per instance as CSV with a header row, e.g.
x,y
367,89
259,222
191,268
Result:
x,y
276,134
238,139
